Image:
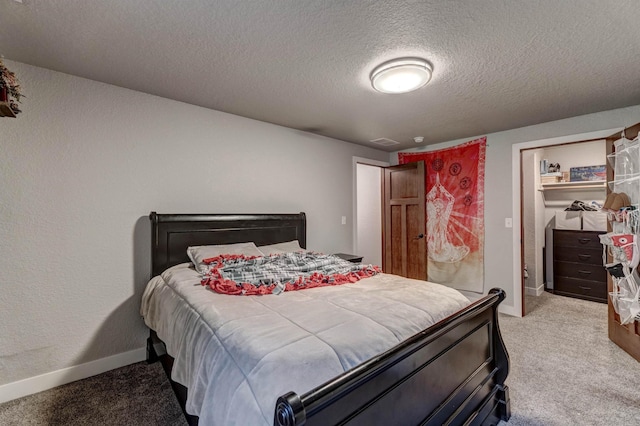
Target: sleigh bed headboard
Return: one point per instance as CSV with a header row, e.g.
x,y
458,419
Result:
x,y
171,234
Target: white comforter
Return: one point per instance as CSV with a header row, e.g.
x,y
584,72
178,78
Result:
x,y
237,354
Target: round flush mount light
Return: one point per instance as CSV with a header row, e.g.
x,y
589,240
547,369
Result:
x,y
401,75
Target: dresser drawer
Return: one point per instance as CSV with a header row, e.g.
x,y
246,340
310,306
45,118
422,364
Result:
x,y
578,255
583,289
577,265
581,271
584,239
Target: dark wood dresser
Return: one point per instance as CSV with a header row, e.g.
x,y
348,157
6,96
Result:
x,y
577,265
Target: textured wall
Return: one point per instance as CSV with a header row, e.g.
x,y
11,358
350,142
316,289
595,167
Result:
x,y
83,166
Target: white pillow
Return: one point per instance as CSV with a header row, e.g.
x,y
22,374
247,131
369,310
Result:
x,y
198,254
288,247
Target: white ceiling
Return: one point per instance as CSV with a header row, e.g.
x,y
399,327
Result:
x,y
305,64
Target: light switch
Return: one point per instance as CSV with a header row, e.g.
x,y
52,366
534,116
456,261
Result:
x,y
344,220
508,222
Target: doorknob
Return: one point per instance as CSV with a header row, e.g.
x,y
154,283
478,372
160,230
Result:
x,y
419,236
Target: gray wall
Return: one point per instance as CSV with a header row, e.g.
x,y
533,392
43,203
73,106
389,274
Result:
x,y
81,169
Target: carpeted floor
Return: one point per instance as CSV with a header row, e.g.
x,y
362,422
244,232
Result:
x,y
564,368
564,371
138,394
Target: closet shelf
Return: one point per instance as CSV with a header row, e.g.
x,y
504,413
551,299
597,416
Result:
x,y
576,186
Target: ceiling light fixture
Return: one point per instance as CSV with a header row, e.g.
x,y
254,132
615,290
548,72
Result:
x,y
401,75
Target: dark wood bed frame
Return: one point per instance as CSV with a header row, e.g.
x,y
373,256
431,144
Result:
x,y
452,373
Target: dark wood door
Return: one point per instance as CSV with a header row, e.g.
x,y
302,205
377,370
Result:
x,y
404,249
626,336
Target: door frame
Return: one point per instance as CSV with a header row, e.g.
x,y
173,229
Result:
x,y
516,212
354,190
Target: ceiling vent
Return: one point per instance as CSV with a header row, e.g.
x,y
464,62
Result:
x,y
384,142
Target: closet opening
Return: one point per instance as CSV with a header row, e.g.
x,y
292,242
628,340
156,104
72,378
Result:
x,y
563,188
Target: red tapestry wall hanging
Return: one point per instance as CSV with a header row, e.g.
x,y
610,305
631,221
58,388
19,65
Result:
x,y
455,213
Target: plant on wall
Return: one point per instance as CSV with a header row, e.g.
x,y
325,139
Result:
x,y
9,88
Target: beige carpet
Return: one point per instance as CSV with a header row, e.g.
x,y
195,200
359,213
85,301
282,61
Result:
x,y
138,394
564,371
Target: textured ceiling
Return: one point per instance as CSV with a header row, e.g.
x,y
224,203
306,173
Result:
x,y
498,64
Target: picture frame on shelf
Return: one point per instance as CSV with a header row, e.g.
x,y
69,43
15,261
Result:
x,y
588,173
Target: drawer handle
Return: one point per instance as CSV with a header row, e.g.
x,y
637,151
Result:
x,y
583,272
584,240
584,256
584,288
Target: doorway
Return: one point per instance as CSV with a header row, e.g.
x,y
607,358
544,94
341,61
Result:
x,y
367,209
518,209
389,229
548,189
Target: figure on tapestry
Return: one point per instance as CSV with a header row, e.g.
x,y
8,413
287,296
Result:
x,y
440,248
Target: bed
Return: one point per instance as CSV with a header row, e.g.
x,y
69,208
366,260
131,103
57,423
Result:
x,y
451,371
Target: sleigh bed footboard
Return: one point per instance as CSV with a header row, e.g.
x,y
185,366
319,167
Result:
x,y
451,373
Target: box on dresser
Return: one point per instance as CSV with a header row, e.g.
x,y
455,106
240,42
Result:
x,y
577,265
594,221
568,219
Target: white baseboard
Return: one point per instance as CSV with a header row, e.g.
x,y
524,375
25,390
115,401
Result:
x,y
534,291
67,375
509,310
502,308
